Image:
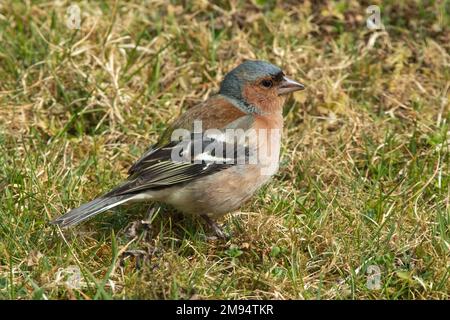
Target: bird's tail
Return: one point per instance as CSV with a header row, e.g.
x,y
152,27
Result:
x,y
91,209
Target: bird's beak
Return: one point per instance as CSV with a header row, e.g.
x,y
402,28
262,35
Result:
x,y
287,86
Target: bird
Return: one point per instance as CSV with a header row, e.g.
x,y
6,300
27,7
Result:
x,y
188,169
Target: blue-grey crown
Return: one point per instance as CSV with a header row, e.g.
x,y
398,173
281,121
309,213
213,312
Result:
x,y
247,71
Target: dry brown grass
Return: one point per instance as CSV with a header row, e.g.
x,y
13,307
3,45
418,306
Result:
x,y
365,166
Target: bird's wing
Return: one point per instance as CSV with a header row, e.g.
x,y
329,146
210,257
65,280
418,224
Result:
x,y
182,161
216,112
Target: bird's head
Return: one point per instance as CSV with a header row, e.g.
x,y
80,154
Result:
x,y
259,84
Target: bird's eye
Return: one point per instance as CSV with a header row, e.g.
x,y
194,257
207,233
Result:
x,y
267,83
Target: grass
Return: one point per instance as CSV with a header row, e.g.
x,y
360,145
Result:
x,y
364,178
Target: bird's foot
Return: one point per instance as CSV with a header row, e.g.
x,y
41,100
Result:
x,y
216,228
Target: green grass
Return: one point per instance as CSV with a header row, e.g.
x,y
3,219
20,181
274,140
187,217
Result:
x,y
364,177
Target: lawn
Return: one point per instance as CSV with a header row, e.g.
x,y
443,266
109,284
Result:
x,y
360,208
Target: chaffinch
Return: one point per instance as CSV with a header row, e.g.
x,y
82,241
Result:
x,y
188,168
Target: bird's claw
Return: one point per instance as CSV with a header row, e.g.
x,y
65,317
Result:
x,y
218,231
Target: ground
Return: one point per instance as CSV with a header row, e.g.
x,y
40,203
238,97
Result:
x,y
359,209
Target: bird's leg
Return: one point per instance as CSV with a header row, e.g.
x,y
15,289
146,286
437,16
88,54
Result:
x,y
217,230
150,213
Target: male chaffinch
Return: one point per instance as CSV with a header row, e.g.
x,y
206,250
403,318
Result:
x,y
205,182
